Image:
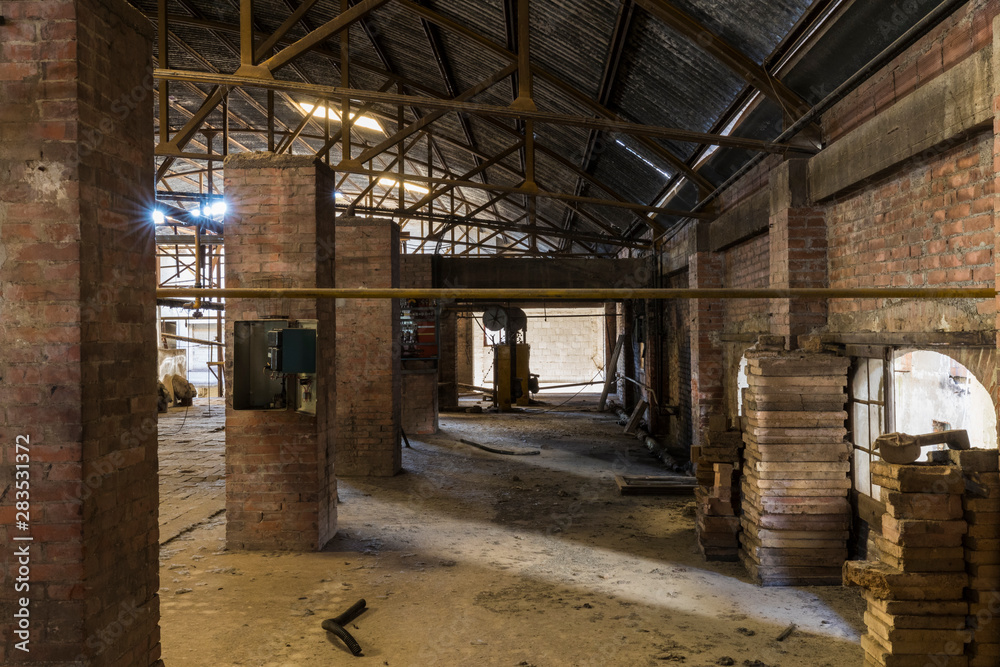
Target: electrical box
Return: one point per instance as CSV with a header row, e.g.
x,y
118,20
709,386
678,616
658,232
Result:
x,y
274,363
255,385
292,350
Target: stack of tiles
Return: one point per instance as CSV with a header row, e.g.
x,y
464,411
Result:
x,y
917,613
981,503
717,526
795,474
716,470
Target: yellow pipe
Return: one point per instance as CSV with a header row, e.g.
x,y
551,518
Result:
x,y
587,294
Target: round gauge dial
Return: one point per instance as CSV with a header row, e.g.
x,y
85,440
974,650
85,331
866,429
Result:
x,y
495,318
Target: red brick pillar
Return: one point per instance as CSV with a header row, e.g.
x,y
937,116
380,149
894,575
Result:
x,y
419,376
448,360
705,269
77,336
280,489
797,250
368,349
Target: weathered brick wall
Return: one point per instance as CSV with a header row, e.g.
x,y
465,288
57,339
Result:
x,y
706,317
415,271
420,378
77,329
747,265
929,224
280,490
565,348
966,31
677,357
368,350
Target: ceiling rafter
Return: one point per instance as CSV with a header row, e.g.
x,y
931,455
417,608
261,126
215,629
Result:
x,y
428,90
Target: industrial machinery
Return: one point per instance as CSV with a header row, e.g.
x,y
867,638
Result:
x,y
512,380
274,362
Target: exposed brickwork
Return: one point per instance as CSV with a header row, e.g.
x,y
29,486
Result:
x,y
448,360
368,351
420,378
706,316
798,258
931,224
677,357
77,329
420,404
966,31
280,490
747,265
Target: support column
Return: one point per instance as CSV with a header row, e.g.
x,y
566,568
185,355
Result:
x,y
705,269
448,361
77,337
368,351
796,468
797,250
280,489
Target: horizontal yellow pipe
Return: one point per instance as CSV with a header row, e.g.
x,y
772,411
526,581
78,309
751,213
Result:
x,y
598,294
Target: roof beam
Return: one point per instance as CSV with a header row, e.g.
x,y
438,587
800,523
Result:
x,y
793,105
604,124
582,98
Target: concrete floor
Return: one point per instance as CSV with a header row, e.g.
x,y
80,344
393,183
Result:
x,y
473,558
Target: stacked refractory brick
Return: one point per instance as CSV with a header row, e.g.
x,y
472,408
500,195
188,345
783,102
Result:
x,y
795,473
981,504
717,525
917,614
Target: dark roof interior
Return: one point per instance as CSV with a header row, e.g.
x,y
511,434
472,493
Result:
x,y
614,53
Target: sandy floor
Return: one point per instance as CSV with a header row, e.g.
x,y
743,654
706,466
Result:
x,y
473,558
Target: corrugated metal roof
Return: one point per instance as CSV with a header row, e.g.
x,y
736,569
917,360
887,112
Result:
x,y
662,78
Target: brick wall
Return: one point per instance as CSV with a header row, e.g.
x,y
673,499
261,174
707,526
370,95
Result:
x,y
930,224
280,490
966,31
705,315
77,329
368,350
747,265
565,348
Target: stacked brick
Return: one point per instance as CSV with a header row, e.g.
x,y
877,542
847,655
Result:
x,y
717,470
981,504
916,614
717,526
794,486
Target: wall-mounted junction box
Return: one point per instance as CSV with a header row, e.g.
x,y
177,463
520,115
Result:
x,y
266,354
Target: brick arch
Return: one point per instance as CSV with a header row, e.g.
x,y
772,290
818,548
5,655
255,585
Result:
x,y
981,362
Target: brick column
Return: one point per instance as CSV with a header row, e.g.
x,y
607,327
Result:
x,y
368,379
797,251
705,270
280,489
77,336
448,360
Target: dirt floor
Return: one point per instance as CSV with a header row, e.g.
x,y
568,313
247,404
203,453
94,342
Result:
x,y
475,558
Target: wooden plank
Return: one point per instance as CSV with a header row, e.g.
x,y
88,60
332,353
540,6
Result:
x,y
629,485
609,373
633,421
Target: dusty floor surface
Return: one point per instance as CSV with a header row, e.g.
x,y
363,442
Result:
x,y
473,558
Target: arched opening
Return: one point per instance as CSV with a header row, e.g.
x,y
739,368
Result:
x,y
920,391
933,392
741,384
